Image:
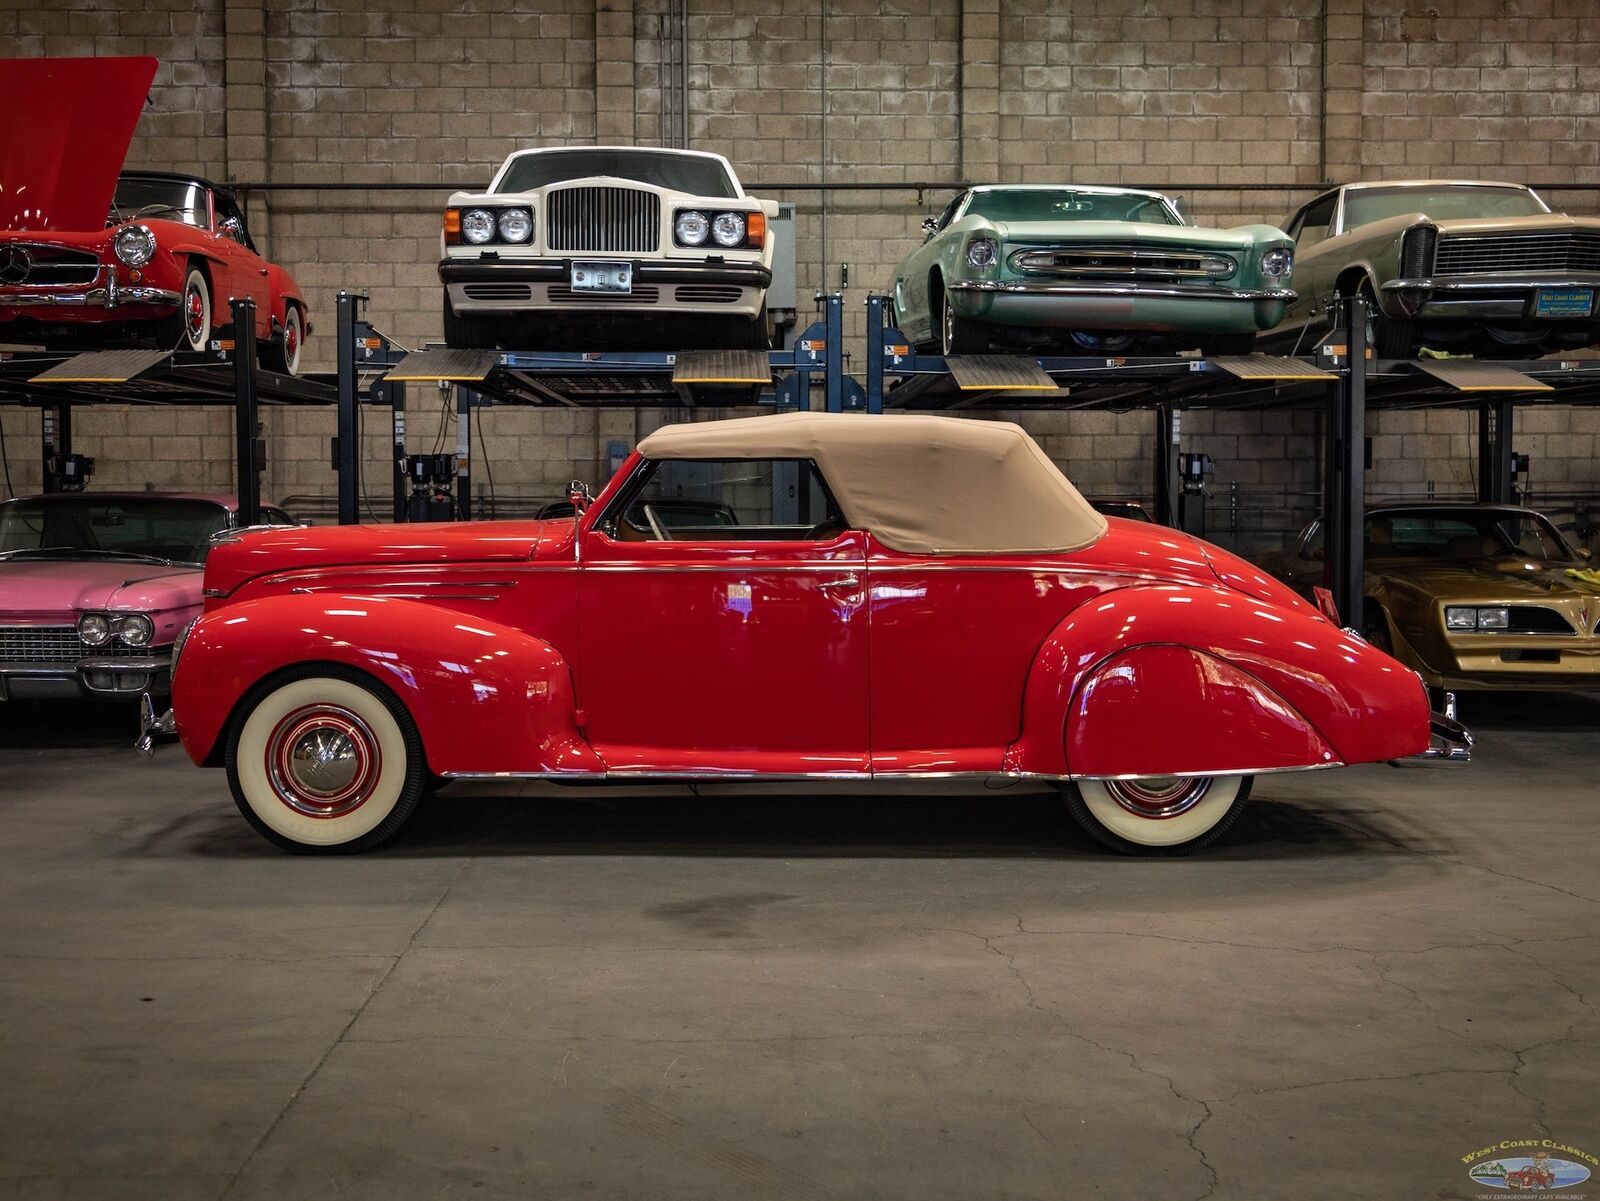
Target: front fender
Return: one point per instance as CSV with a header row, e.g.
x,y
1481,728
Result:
x,y
485,697
1360,704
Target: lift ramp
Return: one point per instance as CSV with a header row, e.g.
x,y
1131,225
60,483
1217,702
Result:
x,y
722,368
103,367
1470,375
444,367
998,373
1268,367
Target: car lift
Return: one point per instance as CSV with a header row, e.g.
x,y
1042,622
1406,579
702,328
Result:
x,y
1341,378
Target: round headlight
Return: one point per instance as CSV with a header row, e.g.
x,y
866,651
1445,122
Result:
x,y
516,225
94,629
980,252
135,629
728,229
477,226
1277,263
134,245
691,228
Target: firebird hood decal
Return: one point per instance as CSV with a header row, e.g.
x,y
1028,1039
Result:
x,y
68,125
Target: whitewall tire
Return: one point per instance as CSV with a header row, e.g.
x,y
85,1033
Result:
x,y
1157,815
325,760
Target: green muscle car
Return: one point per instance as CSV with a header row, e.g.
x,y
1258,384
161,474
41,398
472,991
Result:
x,y
1090,271
1449,264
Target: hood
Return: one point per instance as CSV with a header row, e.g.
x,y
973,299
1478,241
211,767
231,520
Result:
x,y
244,556
68,125
1544,223
1483,581
1139,233
56,588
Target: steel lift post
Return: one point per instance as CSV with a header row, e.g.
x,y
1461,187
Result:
x,y
1496,420
466,398
249,454
347,448
55,428
1345,500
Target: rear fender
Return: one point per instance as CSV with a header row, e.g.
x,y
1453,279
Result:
x,y
485,697
1361,704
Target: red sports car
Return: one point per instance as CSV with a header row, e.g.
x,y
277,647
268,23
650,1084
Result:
x,y
91,258
902,597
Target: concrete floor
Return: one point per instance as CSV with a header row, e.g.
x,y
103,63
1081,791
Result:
x,y
747,995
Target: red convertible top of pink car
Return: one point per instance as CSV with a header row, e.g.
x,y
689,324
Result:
x,y
68,125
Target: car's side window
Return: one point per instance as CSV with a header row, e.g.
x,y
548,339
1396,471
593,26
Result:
x,y
1311,226
725,500
949,213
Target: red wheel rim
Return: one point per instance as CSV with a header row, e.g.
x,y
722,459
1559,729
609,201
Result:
x,y
323,761
1159,797
291,339
194,313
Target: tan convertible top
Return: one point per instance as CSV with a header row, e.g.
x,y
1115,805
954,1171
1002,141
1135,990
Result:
x,y
924,485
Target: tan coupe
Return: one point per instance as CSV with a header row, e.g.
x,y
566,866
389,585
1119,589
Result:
x,y
1470,596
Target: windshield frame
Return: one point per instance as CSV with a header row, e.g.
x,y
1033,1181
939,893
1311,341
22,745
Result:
x,y
1351,196
204,218
130,506
1164,202
500,184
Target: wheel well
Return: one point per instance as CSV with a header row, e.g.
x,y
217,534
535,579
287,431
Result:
x,y
1351,280
297,671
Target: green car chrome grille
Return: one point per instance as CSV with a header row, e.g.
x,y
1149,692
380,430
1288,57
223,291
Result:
x,y
1125,262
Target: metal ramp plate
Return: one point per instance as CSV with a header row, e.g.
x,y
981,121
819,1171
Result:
x,y
724,367
102,367
1269,367
1468,375
450,366
998,373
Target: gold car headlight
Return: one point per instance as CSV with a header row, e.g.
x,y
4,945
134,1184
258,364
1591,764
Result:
x,y
1472,617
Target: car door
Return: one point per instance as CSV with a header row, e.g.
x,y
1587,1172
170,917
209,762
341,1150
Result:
x,y
715,649
247,271
911,277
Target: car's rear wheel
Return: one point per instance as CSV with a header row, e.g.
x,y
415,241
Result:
x,y
281,353
325,760
1157,815
190,327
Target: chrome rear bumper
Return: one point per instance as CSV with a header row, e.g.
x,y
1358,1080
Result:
x,y
1449,741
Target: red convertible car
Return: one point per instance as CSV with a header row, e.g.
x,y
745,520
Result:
x,y
91,258
902,596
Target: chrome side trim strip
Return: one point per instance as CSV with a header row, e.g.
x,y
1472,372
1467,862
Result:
x,y
734,777
844,565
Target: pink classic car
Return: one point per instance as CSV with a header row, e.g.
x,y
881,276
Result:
x,y
94,588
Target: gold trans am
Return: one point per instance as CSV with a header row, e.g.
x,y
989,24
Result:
x,y
1470,596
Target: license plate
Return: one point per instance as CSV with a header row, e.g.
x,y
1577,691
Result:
x,y
1563,302
602,277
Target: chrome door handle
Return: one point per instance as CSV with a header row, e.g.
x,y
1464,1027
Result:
x,y
849,581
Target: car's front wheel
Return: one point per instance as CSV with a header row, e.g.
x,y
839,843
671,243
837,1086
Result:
x,y
1157,815
325,760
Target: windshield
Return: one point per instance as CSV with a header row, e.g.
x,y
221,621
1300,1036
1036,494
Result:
x,y
66,527
1462,534
1050,204
169,199
1365,205
676,172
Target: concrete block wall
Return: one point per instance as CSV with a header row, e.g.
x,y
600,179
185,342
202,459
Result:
x,y
1192,95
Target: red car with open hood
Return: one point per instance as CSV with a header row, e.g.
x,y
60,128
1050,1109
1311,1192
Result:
x,y
901,597
91,255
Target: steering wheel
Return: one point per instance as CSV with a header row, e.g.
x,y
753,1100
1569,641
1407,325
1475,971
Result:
x,y
656,527
830,527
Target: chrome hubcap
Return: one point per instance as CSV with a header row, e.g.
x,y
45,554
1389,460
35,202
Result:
x,y
1159,796
196,307
323,761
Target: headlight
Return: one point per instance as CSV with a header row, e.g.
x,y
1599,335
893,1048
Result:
x,y
134,245
691,228
1275,264
728,229
94,629
516,225
477,226
134,628
1464,618
980,252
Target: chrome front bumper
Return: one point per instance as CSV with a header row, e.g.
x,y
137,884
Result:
x,y
1507,297
1129,291
1449,741
73,678
104,293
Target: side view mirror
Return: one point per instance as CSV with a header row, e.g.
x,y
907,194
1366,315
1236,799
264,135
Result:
x,y
231,227
930,226
580,496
